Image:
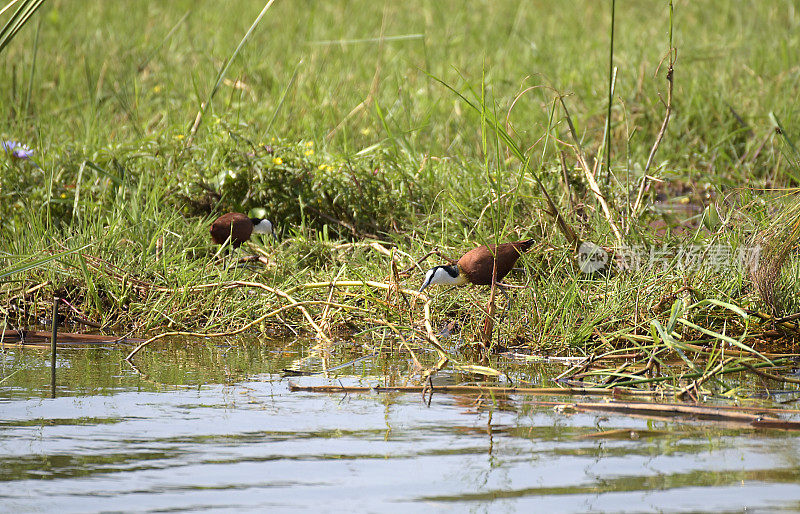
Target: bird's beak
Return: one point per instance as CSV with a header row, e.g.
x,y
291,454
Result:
x,y
423,287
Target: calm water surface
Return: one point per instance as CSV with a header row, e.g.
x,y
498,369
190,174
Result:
x,y
217,429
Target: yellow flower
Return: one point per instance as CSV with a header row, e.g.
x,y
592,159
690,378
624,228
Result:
x,y
310,144
321,167
178,136
273,139
310,151
365,131
157,88
63,195
277,160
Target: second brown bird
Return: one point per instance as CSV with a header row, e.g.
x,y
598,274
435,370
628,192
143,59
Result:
x,y
238,227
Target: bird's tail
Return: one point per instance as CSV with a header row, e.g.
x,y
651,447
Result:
x,y
523,246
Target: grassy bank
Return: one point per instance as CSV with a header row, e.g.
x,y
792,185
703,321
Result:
x,y
339,121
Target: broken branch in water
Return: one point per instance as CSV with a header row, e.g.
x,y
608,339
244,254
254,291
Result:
x,y
770,376
696,412
754,417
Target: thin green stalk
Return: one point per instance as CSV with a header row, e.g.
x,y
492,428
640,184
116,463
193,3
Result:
x,y
33,69
610,93
223,72
166,38
283,98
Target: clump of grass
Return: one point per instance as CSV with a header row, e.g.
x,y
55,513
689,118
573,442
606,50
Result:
x,y
298,186
776,244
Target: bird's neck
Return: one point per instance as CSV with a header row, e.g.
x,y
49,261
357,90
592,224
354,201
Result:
x,y
261,226
445,277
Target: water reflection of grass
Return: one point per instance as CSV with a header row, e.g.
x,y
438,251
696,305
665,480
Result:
x,y
178,364
365,162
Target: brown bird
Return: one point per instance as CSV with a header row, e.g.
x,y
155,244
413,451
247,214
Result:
x,y
238,228
475,266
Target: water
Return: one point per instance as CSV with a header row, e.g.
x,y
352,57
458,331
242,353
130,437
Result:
x,y
210,428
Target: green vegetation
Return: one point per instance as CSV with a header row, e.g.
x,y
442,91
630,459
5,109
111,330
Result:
x,y
414,126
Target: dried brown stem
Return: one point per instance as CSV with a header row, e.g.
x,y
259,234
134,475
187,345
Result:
x,y
673,57
694,388
595,188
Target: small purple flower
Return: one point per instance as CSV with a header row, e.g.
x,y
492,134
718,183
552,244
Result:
x,y
16,150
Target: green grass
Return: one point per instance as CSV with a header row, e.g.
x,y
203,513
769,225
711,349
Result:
x,y
344,137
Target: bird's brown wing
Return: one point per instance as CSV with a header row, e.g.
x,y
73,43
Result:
x,y
234,224
477,264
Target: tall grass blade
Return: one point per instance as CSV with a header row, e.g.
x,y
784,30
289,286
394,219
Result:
x,y
223,72
146,60
38,263
26,109
18,20
610,93
283,97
